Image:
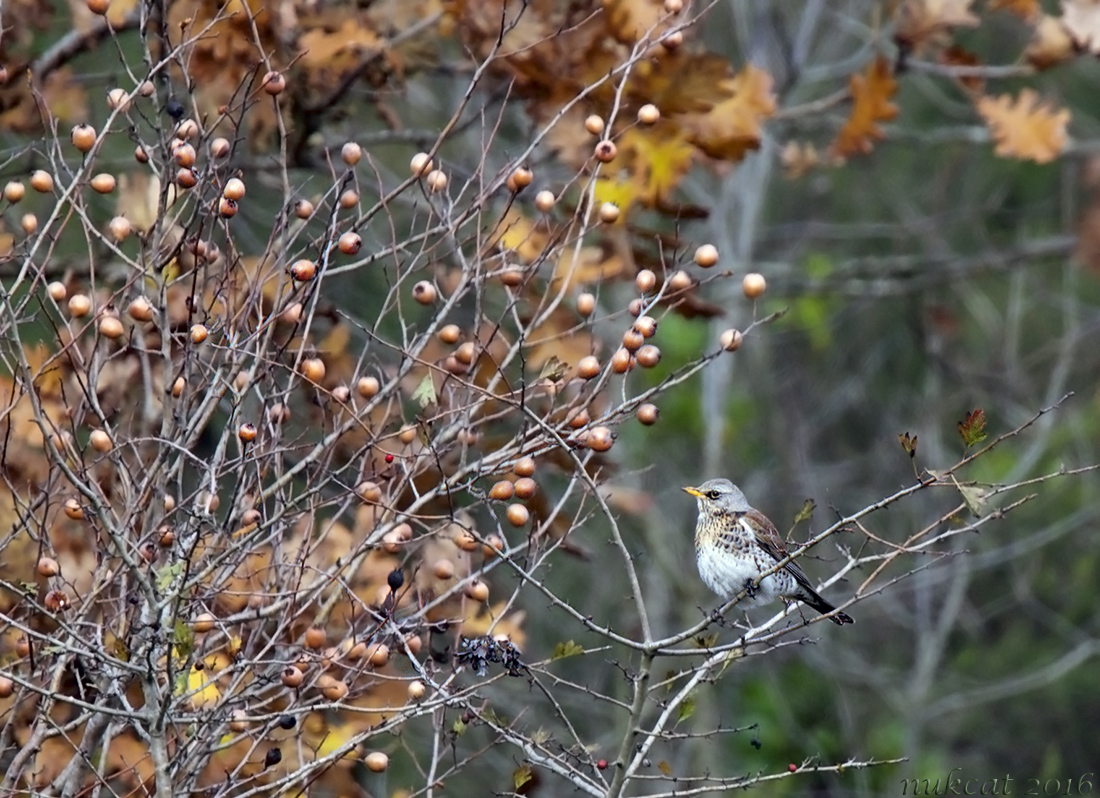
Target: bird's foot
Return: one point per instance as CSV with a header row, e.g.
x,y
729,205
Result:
x,y
751,588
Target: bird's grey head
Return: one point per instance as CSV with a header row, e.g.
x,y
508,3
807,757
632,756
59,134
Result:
x,y
720,495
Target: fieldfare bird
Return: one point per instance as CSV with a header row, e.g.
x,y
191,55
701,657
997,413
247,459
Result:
x,y
735,544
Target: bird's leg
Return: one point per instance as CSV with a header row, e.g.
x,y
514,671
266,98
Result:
x,y
751,587
716,616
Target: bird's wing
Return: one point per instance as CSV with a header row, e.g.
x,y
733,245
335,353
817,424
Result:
x,y
767,536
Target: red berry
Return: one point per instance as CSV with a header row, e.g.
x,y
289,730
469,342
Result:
x,y
602,764
792,767
389,457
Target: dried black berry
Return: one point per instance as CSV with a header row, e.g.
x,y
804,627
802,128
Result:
x,y
174,108
287,722
396,579
273,757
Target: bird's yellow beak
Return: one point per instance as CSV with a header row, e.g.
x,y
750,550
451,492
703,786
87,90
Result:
x,y
694,492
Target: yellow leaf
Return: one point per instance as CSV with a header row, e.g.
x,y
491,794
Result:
x,y
590,265
1027,128
518,234
202,689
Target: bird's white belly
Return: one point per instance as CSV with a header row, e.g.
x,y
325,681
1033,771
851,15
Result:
x,y
726,574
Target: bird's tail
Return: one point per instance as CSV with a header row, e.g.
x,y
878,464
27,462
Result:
x,y
812,599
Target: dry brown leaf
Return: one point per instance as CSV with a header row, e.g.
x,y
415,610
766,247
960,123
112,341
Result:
x,y
920,23
1027,128
630,21
1028,9
1050,44
871,93
734,126
1082,19
797,159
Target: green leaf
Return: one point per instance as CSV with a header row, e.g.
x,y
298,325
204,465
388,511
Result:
x,y
459,728
908,443
705,641
424,394
566,649
521,776
553,369
167,574
665,767
183,639
687,709
807,511
975,498
972,427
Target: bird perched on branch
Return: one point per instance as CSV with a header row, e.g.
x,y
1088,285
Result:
x,y
735,545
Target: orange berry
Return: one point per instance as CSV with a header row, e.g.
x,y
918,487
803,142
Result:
x,y
502,491
606,151
140,309
753,285
679,281
219,147
416,690
436,180
443,569
227,208
706,255
731,340
645,281
335,690
203,623
586,304
100,441
622,361
111,327
449,334
41,181
609,213
646,325
648,114
632,340
313,369
588,367
292,676
349,199
545,200
73,510
351,153
517,514
648,356
522,177
315,637
647,414
103,183
29,223
184,155
376,761
303,209
378,654
350,243
420,165
47,566
478,591
274,83
673,40
303,270
83,137
600,439
525,487
199,333
187,178
57,291
424,292
369,492
247,432
234,188
119,228
118,100
79,305
594,124
367,387
14,191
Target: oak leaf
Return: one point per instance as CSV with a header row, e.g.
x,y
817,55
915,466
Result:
x,y
1050,44
871,93
1082,19
1028,9
1027,128
734,126
923,22
629,21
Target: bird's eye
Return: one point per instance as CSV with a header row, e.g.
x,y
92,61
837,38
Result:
x,y
712,495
